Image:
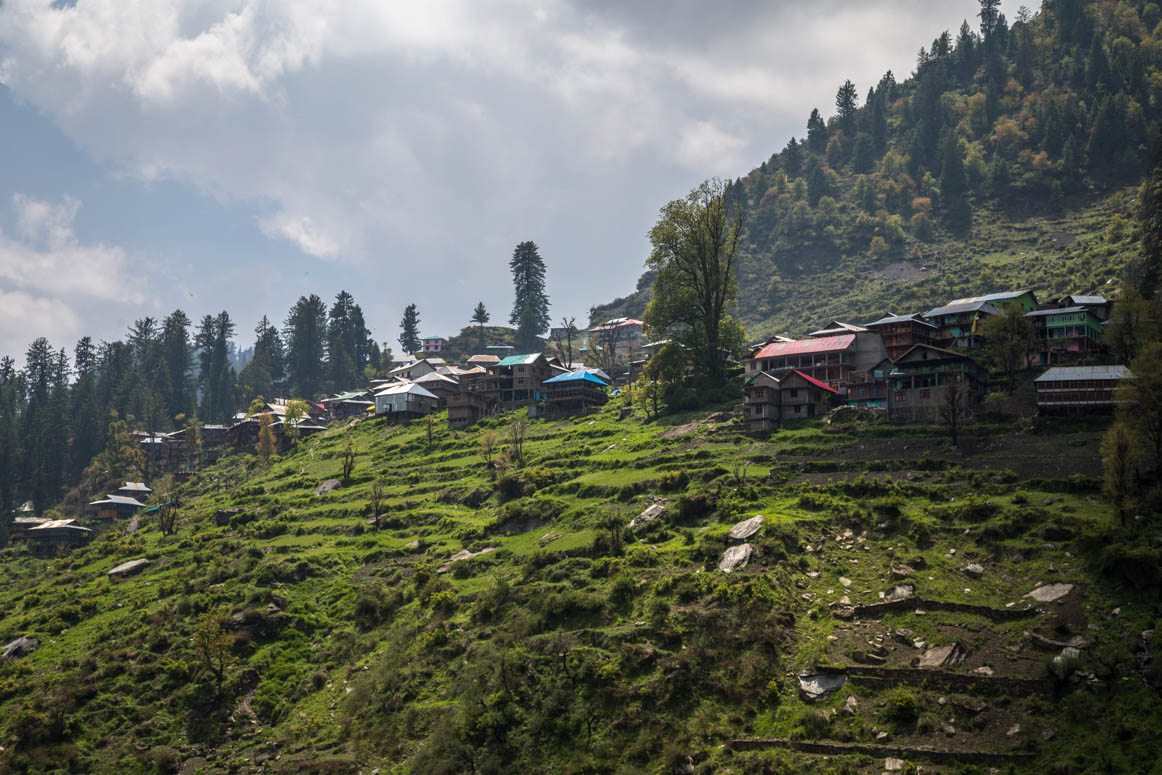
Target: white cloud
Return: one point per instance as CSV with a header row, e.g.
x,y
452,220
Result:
x,y
423,139
51,284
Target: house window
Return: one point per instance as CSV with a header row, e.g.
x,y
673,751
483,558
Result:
x,y
797,408
794,393
925,394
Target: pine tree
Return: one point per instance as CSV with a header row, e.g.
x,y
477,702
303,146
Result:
x,y
216,378
409,335
265,369
304,335
348,342
1149,272
87,413
45,443
178,356
792,159
863,158
11,399
530,307
966,54
954,183
816,132
480,316
846,100
990,16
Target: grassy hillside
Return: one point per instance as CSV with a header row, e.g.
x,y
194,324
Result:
x,y
1007,160
571,643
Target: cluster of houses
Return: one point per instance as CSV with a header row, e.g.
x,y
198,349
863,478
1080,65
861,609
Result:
x,y
905,365
46,537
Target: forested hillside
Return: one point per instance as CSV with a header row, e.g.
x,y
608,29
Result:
x,y
1010,158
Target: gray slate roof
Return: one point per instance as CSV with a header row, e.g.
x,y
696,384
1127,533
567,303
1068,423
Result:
x,y
1072,373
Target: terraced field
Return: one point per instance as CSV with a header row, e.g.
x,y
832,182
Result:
x,y
509,618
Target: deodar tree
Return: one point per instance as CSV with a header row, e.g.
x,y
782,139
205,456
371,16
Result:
x,y
695,249
530,306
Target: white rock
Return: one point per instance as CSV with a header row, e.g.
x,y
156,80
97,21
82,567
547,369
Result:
x,y
735,558
1047,593
747,527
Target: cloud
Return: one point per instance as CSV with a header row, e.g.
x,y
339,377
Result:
x,y
406,141
53,285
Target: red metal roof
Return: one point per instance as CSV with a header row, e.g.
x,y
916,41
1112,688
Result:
x,y
816,382
806,346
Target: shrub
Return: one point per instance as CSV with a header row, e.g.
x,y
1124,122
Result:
x,y
676,480
694,507
901,706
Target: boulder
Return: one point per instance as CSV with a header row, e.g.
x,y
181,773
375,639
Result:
x,y
900,592
463,554
975,570
1047,593
747,528
851,706
328,486
904,635
892,764
735,558
21,647
652,512
129,568
816,686
900,572
947,655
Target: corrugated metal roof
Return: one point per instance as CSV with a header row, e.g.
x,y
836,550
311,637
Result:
x,y
1072,373
1090,300
123,500
576,376
1002,296
58,523
964,306
435,376
410,387
915,317
520,360
806,346
816,382
138,486
1040,313
484,359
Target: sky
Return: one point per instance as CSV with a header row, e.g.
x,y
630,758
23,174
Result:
x,y
237,154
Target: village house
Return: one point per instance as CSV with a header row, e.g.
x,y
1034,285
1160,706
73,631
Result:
x,y
792,395
113,507
474,398
903,332
959,324
355,403
1026,300
135,490
829,359
1075,330
405,401
1098,305
433,345
1079,389
412,370
575,392
441,386
483,361
869,389
835,328
18,528
518,379
920,378
56,536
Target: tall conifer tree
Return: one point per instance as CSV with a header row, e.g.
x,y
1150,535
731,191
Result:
x,y
530,307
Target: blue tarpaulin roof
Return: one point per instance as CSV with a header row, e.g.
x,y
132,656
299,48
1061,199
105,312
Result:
x,y
577,376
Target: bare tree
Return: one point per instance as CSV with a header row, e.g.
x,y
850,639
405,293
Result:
x,y
376,500
563,340
953,408
607,340
213,645
167,515
489,439
349,459
1119,457
516,439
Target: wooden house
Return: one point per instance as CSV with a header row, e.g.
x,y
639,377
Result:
x,y
355,403
903,332
1026,300
837,328
483,361
518,379
18,528
869,389
411,370
770,400
113,507
958,324
1066,330
575,392
135,490
56,536
442,386
920,378
475,397
1098,305
1079,389
405,401
828,359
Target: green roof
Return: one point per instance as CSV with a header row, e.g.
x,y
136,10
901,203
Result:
x,y
519,360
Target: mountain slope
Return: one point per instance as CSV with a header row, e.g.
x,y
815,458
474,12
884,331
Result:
x,y
1009,160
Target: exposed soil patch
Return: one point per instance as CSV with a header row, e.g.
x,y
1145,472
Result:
x,y
901,270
